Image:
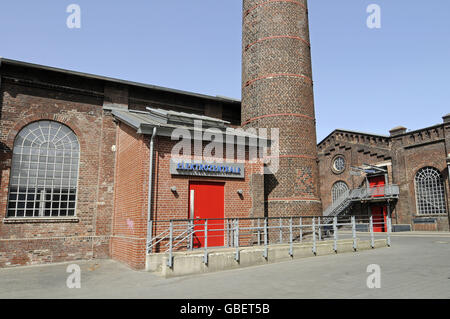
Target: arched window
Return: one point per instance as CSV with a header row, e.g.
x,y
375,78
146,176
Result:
x,y
430,193
338,189
44,172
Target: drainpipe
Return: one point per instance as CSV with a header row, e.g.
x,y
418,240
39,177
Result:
x,y
150,186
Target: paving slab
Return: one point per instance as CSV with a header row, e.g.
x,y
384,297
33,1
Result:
x,y
414,267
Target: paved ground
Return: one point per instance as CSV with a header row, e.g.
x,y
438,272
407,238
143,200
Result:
x,y
416,266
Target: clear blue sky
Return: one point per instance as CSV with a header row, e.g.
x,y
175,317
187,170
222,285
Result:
x,y
365,79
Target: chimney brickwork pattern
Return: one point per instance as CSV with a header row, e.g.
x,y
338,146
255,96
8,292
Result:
x,y
277,92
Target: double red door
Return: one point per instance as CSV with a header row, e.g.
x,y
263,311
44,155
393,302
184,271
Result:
x,y
379,214
206,201
377,184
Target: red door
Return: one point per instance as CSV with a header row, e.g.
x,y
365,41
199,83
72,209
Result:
x,y
376,184
379,214
206,201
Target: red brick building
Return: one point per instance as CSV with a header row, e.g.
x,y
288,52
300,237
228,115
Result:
x,y
86,163
75,167
405,174
216,193
82,176
75,159
81,104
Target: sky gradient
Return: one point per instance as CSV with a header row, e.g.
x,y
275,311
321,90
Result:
x,y
365,79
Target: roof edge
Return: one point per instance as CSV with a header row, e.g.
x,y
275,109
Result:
x,y
351,132
217,98
379,135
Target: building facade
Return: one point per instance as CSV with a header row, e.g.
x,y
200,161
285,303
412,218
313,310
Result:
x,y
185,185
87,166
60,152
75,168
412,176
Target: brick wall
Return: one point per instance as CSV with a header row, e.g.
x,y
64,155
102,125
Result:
x,y
169,205
425,227
31,93
356,150
130,214
130,206
87,235
414,151
406,153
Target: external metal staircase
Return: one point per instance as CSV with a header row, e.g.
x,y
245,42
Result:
x,y
357,195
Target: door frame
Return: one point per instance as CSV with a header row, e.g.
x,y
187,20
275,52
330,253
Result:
x,y
191,205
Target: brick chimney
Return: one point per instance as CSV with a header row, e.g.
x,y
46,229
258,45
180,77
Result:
x,y
398,130
277,92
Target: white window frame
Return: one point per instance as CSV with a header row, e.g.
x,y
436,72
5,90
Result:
x,y
436,187
44,172
335,190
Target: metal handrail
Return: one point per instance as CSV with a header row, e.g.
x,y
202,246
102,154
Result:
x,y
362,193
186,231
245,232
338,202
162,238
184,238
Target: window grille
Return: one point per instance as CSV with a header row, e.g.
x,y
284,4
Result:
x,y
430,193
338,189
44,172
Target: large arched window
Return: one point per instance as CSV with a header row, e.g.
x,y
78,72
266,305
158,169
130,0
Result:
x,y
338,189
430,193
44,172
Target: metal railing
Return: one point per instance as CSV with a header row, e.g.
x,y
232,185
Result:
x,y
359,194
235,233
387,191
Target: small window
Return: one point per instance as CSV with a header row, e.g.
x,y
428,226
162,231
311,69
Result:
x,y
338,164
44,172
430,193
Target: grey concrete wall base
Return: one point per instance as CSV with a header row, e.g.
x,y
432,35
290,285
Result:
x,y
191,262
401,228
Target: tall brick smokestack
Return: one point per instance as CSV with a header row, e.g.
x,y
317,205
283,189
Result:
x,y
277,92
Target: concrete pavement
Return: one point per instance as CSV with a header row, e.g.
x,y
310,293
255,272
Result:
x,y
416,266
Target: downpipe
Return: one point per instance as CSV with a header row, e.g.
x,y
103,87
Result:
x,y
150,188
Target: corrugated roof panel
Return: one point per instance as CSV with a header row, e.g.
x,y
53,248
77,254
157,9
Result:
x,y
138,119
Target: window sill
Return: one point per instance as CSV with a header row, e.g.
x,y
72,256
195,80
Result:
x,y
43,220
430,215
